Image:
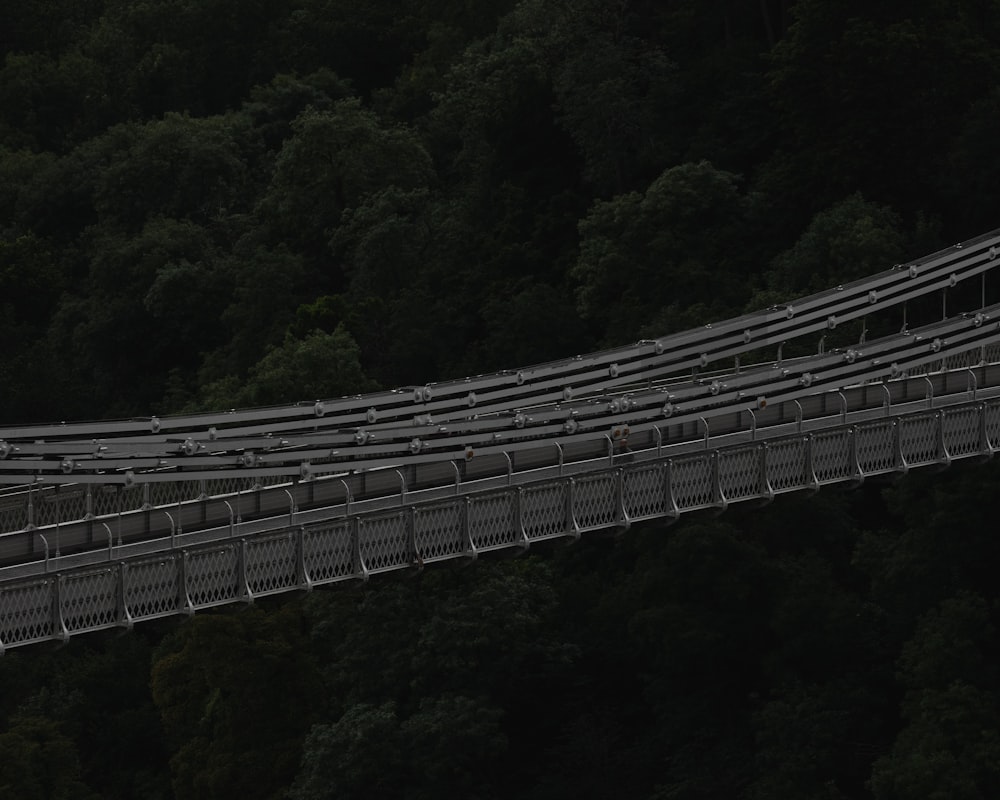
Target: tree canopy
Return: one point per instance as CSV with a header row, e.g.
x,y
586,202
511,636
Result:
x,y
216,204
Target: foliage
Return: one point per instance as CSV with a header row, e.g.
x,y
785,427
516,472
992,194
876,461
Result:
x,y
206,205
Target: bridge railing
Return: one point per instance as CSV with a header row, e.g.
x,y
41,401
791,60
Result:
x,y
122,591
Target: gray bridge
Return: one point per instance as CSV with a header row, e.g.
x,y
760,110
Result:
x,y
105,524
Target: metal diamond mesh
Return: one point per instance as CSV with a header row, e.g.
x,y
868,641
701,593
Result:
x,y
918,439
13,517
26,612
739,473
272,562
961,431
691,482
170,492
643,492
832,458
595,501
786,464
107,500
43,506
543,510
62,505
384,542
492,521
439,530
213,576
151,587
89,600
876,447
227,486
328,552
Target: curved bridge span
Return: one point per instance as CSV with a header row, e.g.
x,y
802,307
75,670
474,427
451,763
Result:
x,y
105,524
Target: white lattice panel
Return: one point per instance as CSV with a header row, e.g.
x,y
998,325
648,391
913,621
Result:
x,y
168,493
13,517
132,497
493,521
962,430
740,473
876,447
644,492
543,510
439,530
89,600
918,439
969,358
106,501
691,482
385,542
832,456
328,552
272,563
61,506
42,507
213,576
151,587
595,501
26,612
227,486
786,464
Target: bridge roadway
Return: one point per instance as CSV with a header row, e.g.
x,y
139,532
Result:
x,y
414,491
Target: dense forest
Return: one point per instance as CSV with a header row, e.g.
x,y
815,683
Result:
x,y
229,203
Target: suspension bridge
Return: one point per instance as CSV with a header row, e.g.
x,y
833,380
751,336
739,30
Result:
x,y
105,524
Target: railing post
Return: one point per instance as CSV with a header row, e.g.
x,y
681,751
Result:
x,y
767,491
811,479
109,539
944,456
58,623
241,570
124,615
897,445
347,497
416,558
669,503
473,551
173,529
305,580
519,517
624,519
184,604
45,544
569,512
721,502
402,487
360,568
31,509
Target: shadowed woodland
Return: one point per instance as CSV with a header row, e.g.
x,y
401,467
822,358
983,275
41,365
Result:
x,y
221,204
